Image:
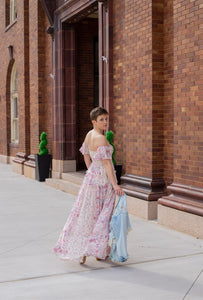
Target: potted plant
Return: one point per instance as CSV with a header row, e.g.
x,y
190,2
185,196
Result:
x,y
43,159
118,168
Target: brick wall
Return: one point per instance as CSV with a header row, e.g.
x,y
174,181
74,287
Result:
x,y
157,108
36,103
48,83
40,80
27,79
188,108
157,89
119,88
28,46
168,91
133,85
14,35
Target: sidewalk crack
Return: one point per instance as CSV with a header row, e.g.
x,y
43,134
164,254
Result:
x,y
113,265
192,284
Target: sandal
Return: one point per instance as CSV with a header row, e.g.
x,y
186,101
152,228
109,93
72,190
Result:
x,y
83,260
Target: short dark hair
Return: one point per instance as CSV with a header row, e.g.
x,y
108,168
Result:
x,y
97,111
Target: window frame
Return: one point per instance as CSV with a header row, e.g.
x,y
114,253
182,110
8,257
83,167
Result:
x,y
10,13
13,11
14,106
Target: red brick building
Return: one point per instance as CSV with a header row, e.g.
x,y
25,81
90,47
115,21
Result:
x,y
139,59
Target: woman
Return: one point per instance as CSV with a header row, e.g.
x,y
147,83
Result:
x,y
86,231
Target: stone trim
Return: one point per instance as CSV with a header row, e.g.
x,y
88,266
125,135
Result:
x,y
31,161
184,198
73,10
20,158
10,25
180,220
144,188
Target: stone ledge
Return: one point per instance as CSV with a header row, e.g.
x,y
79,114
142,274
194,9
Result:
x,y
143,209
31,161
4,159
180,220
18,163
29,167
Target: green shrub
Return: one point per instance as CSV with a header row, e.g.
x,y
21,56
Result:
x,y
43,143
109,137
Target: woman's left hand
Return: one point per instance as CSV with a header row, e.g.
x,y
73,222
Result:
x,y
119,191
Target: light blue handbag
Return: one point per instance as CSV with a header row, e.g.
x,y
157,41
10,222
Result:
x,y
119,227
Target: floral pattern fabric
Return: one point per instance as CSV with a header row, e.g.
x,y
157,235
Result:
x,y
86,231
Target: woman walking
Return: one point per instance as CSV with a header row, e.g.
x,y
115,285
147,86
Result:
x,y
86,231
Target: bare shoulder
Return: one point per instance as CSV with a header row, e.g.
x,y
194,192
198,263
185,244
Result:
x,y
101,141
88,136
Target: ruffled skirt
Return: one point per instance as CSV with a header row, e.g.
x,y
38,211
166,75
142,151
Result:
x,y
86,231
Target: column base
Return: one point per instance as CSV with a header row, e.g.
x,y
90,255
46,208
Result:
x,y
62,166
29,167
4,159
142,209
180,221
143,188
143,194
18,163
182,209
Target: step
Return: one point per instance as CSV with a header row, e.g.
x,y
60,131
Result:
x,y
63,185
74,177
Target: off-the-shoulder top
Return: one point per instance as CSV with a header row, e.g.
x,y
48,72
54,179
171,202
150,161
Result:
x,y
96,174
102,152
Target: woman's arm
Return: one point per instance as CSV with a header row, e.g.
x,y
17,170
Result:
x,y
102,141
87,160
111,176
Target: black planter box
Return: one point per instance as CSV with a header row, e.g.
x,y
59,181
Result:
x,y
118,169
42,166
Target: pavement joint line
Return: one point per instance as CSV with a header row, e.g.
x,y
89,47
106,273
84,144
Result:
x,y
192,284
37,239
103,268
27,243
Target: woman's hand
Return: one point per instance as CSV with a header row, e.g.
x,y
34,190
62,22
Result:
x,y
112,177
119,191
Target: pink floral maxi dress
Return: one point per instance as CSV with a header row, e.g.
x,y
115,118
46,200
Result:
x,y
86,231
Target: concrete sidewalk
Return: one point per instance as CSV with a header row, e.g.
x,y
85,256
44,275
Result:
x,y
164,264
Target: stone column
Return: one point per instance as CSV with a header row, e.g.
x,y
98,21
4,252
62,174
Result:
x,y
64,136
142,105
183,208
106,56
